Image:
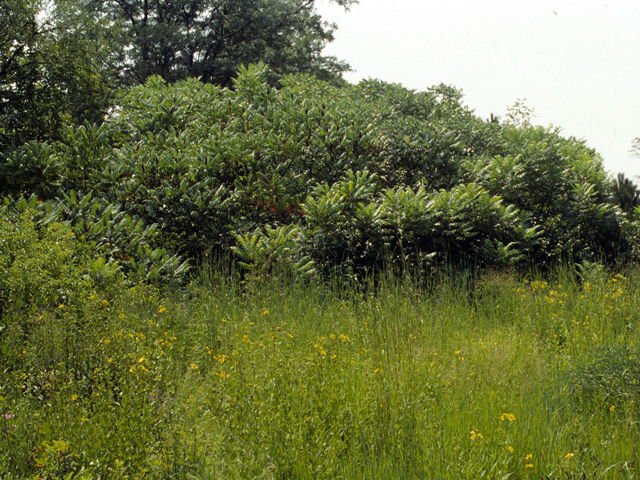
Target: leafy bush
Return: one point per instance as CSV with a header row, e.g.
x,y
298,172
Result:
x,y
108,241
32,168
39,266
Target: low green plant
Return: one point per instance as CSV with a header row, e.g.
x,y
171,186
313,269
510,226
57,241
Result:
x,y
39,265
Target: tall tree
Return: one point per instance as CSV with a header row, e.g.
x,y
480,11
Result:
x,y
210,39
52,70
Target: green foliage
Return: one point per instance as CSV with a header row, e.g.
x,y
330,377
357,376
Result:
x,y
38,265
212,39
272,251
118,238
369,175
560,184
84,152
32,168
519,114
51,70
413,228
630,231
625,194
109,242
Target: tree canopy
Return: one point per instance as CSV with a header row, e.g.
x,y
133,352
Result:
x,y
211,39
53,70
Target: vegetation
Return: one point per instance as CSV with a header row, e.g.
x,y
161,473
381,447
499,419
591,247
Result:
x,y
267,272
53,70
626,194
211,39
458,378
61,61
328,179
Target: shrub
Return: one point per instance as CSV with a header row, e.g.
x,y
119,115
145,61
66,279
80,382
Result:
x,y
39,265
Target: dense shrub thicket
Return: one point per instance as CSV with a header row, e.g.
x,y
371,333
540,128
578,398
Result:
x,y
317,178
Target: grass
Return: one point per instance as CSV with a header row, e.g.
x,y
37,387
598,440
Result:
x,y
500,377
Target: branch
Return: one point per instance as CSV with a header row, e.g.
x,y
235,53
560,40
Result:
x,y
18,51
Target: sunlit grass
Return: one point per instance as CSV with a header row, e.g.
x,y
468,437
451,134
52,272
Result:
x,y
503,377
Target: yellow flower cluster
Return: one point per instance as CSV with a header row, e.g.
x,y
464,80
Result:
x,y
220,358
528,458
535,286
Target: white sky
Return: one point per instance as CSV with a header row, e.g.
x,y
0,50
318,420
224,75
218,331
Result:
x,y
576,62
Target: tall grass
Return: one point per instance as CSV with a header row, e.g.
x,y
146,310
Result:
x,y
500,376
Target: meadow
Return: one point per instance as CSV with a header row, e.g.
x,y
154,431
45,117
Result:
x,y
503,375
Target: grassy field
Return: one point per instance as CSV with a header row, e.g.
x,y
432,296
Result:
x,y
506,376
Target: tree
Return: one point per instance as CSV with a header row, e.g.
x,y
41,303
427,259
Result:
x,y
52,70
625,193
211,39
519,115
635,147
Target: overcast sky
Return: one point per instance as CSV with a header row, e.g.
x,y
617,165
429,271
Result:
x,y
576,62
